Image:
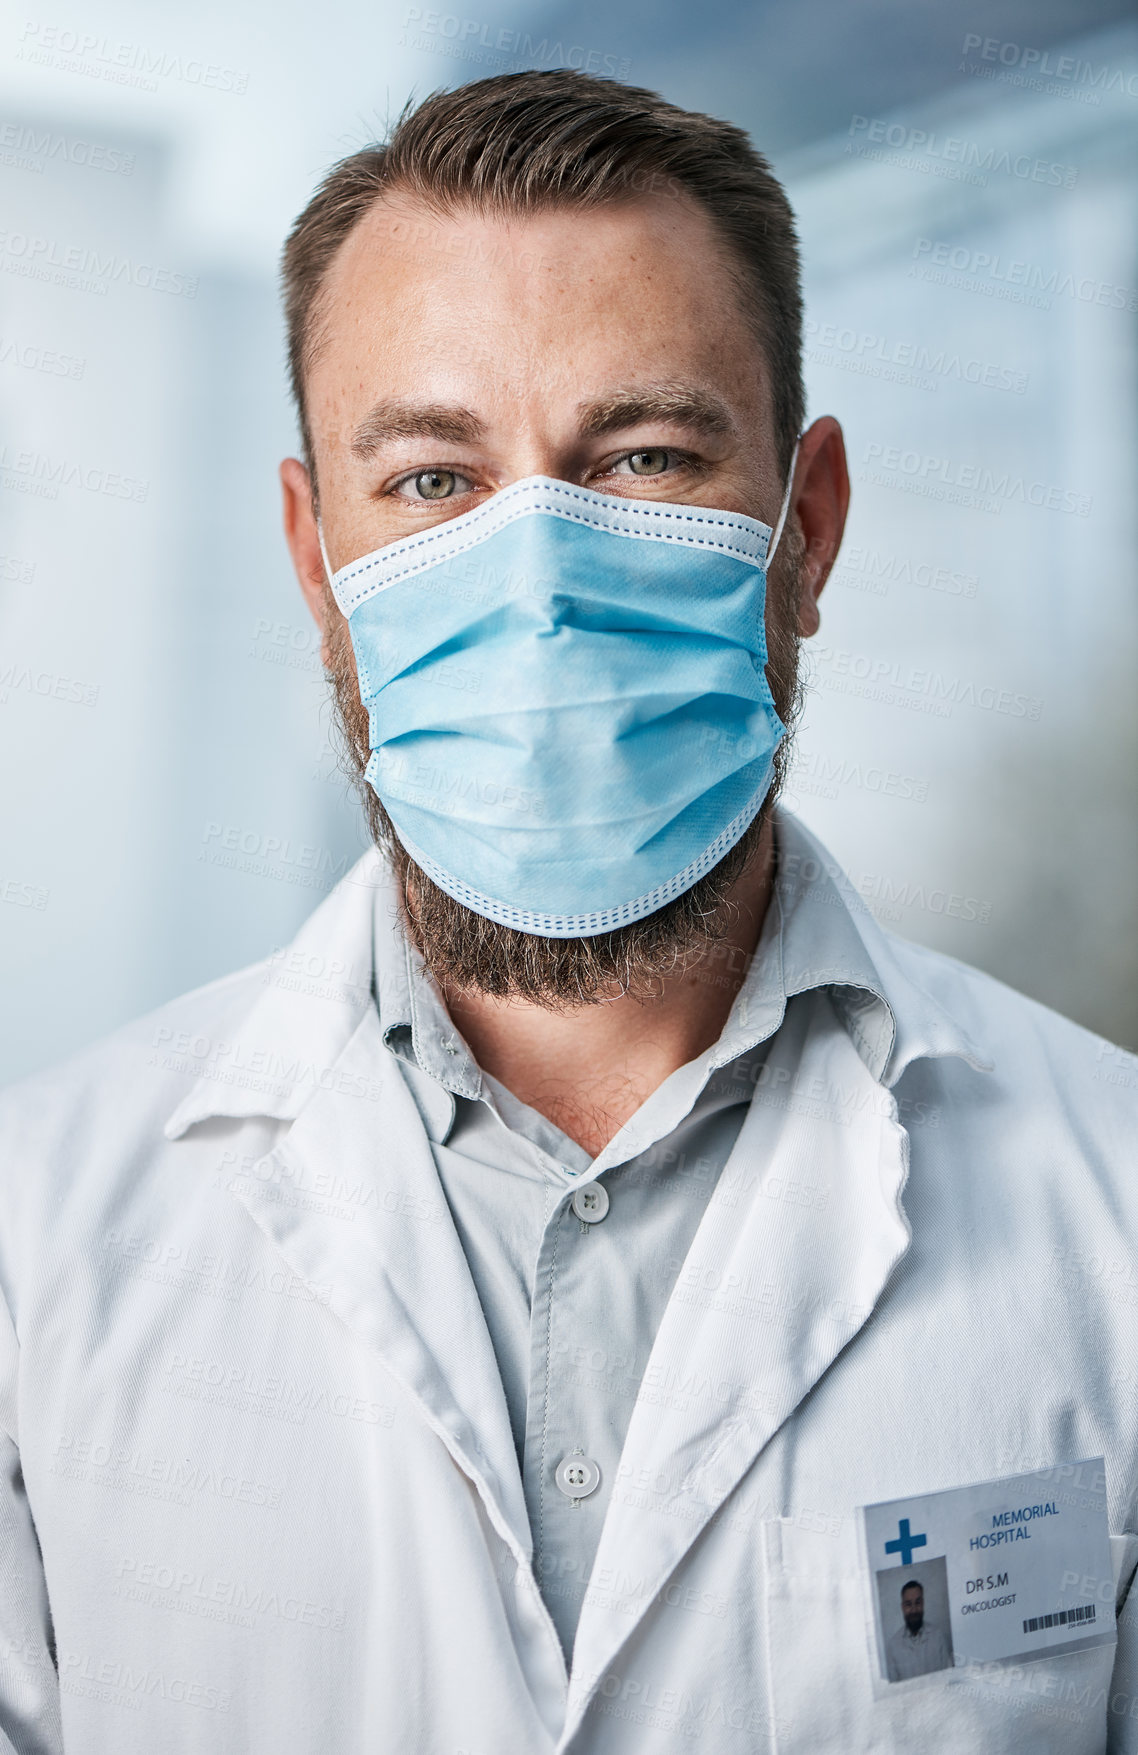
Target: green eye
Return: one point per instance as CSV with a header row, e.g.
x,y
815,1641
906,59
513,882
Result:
x,y
648,462
435,484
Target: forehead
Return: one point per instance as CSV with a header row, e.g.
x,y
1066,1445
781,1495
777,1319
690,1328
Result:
x,y
634,282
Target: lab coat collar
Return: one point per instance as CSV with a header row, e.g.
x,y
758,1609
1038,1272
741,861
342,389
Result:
x,y
830,938
315,990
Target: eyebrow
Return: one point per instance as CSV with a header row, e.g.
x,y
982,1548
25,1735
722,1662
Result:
x,y
678,404
415,420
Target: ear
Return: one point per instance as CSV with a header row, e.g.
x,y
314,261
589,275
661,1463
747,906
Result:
x,y
302,537
819,500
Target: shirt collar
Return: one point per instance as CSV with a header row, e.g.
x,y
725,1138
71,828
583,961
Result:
x,y
818,933
416,1025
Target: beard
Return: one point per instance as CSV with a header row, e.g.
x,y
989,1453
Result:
x,y
466,951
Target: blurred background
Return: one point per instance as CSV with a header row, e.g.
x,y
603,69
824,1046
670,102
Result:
x,y
964,176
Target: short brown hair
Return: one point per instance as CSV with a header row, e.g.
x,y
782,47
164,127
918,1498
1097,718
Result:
x,y
528,141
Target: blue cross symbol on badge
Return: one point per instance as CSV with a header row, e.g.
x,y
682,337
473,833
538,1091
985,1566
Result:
x,y
905,1543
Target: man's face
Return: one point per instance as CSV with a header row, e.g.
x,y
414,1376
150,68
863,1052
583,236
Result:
x,y
913,1608
606,347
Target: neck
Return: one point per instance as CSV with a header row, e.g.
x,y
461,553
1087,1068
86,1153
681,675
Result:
x,y
589,1068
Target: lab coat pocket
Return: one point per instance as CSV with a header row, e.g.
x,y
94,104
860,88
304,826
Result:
x,y
821,1661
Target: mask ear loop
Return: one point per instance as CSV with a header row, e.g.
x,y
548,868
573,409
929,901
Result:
x,y
324,553
785,504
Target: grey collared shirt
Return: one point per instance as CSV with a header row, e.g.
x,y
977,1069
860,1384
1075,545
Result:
x,y
573,1304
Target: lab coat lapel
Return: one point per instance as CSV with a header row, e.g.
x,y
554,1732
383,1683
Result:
x,y
771,1291
352,1200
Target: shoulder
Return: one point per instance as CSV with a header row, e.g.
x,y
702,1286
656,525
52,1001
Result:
x,y
93,1134
951,1018
1005,1023
86,1137
83,1143
244,1031
1071,1093
136,1072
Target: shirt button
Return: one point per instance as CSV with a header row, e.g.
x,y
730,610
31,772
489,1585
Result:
x,y
577,1476
591,1203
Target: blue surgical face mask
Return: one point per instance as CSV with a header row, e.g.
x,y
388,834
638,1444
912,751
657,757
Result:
x,y
570,721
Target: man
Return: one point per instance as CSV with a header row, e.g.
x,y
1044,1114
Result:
x,y
915,1649
477,1327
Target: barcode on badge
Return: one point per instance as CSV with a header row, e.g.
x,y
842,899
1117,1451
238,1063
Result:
x,y
1061,1618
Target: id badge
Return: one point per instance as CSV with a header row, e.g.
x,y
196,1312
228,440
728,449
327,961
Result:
x,y
1003,1571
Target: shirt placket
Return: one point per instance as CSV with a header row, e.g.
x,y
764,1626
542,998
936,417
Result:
x,y
570,1459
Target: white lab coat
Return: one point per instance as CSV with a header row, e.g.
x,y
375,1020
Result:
x,y
258,1482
